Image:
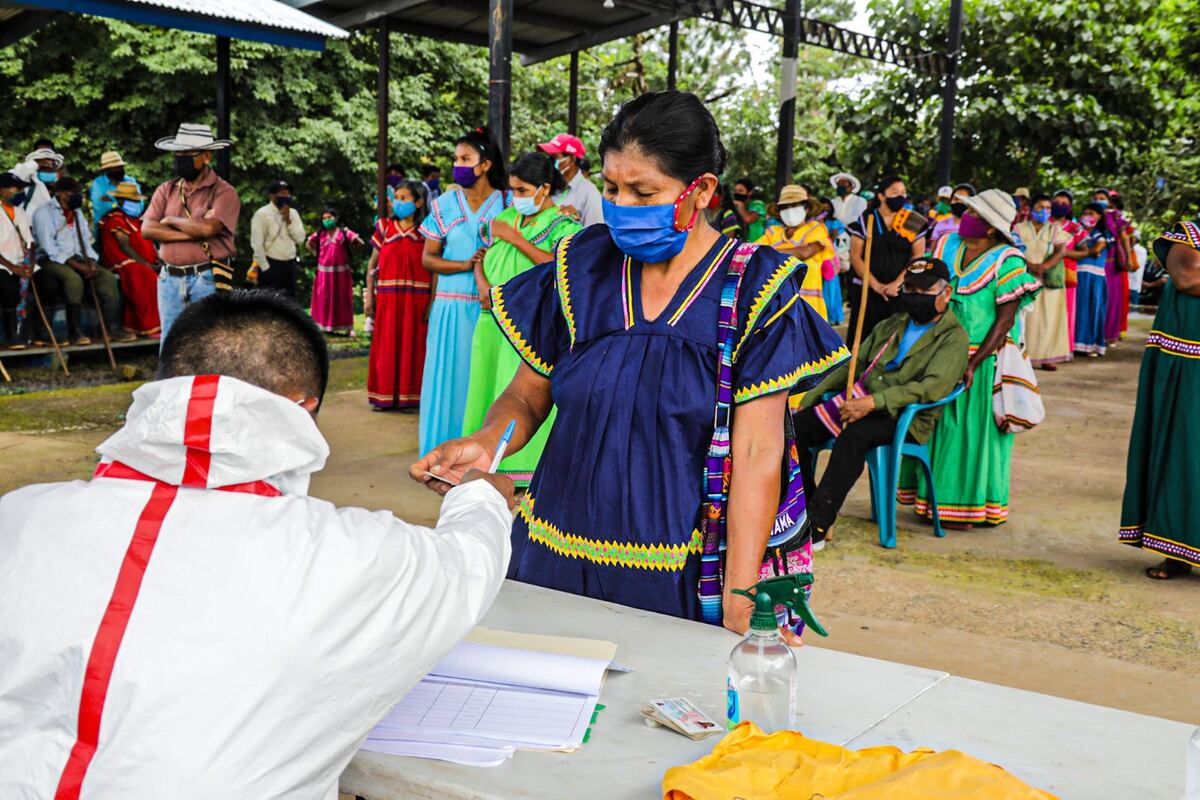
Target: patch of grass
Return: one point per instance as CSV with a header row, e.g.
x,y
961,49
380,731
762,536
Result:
x,y
84,408
348,374
857,540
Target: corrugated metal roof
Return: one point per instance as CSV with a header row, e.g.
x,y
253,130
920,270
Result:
x,y
269,13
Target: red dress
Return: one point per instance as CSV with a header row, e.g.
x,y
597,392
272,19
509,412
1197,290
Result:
x,y
402,288
139,283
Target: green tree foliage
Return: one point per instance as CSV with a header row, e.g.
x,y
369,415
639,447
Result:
x,y
1050,94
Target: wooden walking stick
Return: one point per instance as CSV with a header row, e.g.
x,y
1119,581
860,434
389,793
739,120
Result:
x,y
37,301
862,310
95,297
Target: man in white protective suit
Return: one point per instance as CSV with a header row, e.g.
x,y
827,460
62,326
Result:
x,y
189,623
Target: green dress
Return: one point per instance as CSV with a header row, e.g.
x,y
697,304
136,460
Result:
x,y
494,362
971,458
1161,499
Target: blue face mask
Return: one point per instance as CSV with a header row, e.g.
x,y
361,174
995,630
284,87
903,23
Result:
x,y
525,206
1102,203
1041,216
47,177
132,207
648,233
402,209
433,183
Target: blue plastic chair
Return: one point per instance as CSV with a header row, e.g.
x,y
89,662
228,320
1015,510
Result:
x,y
883,464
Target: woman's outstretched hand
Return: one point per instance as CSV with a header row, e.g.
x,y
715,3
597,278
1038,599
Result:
x,y
451,460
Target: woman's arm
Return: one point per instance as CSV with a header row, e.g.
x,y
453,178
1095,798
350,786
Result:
x,y
1006,315
526,400
431,259
757,449
369,292
483,286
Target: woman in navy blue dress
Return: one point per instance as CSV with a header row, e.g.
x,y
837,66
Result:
x,y
620,332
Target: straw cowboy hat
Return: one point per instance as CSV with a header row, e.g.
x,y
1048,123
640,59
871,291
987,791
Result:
x,y
127,190
45,154
996,208
794,195
110,159
855,184
192,137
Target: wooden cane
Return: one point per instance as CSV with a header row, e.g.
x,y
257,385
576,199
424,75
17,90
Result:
x,y
37,301
862,310
95,297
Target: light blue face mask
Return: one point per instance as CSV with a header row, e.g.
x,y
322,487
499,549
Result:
x,y
649,233
402,209
133,208
1102,203
526,206
47,177
1041,216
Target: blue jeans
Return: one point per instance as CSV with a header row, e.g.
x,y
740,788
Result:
x,y
174,294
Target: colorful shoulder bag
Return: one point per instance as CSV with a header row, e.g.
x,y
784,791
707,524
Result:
x,y
789,549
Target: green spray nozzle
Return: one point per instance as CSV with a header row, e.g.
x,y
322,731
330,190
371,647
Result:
x,y
786,590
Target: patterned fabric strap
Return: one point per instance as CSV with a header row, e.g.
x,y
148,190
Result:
x,y
717,463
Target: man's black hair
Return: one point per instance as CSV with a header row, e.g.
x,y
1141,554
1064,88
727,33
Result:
x,y
259,337
396,168
429,169
43,142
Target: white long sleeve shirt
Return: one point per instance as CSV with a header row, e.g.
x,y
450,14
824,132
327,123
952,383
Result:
x,y
266,631
271,238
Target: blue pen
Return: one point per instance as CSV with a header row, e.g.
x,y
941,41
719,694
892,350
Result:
x,y
503,445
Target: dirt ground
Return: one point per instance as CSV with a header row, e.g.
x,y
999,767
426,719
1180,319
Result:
x,y
1048,602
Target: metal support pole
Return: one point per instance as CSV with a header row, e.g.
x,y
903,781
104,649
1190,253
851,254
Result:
x,y
949,90
573,98
500,14
787,95
223,92
381,113
672,55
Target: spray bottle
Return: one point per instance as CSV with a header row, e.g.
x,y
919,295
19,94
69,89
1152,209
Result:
x,y
761,686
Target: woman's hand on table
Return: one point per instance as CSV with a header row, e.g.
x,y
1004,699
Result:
x,y
737,619
453,460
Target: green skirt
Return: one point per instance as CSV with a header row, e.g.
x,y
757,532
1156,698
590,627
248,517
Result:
x,y
1162,501
493,365
971,460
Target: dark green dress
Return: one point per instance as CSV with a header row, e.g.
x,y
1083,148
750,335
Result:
x,y
1162,483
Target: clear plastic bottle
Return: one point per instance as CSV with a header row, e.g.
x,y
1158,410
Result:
x,y
1192,785
761,686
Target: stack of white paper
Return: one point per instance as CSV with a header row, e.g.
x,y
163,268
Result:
x,y
484,701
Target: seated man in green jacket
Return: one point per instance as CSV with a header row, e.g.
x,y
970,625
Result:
x,y
918,355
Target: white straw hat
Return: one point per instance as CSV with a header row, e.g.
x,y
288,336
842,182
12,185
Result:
x,y
855,184
192,137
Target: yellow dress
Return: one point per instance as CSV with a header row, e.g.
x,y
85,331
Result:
x,y
777,236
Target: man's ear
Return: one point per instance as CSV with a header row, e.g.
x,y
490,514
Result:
x,y
310,404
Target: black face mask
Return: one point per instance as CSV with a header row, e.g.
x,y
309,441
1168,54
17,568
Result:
x,y
921,308
741,198
185,167
75,201
842,191
958,209
116,176
283,200
17,199
896,203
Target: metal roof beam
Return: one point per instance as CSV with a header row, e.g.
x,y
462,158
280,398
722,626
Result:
x,y
364,15
537,19
600,36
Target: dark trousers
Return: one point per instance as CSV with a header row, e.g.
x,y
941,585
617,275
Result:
x,y
10,296
281,277
823,501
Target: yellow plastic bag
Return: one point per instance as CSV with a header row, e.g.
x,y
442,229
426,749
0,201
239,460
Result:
x,y
751,765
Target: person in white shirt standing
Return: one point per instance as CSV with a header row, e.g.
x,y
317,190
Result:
x,y
581,195
190,624
275,233
848,206
19,268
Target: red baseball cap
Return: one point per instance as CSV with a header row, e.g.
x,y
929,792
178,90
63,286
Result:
x,y
564,143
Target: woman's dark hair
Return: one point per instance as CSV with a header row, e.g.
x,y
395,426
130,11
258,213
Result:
x,y
331,211
726,197
749,184
968,186
672,128
1037,198
538,169
419,193
887,183
482,142
1101,224
1117,201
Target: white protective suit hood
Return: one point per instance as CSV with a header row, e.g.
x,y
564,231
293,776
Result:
x,y
255,435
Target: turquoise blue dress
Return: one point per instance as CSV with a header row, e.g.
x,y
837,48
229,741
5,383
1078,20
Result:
x,y
453,316
611,509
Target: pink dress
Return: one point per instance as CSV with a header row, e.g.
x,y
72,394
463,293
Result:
x,y
333,289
